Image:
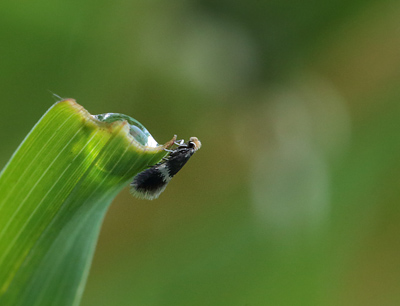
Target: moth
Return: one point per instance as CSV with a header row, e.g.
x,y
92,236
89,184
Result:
x,y
150,183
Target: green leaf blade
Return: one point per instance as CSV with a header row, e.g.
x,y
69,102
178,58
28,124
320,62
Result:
x,y
55,192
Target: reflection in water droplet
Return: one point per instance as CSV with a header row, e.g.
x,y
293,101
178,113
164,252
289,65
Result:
x,y
136,129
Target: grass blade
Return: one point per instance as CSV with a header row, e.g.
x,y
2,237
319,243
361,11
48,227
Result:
x,y
54,194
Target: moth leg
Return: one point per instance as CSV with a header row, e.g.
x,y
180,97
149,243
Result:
x,y
179,142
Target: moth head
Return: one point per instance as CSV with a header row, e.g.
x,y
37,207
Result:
x,y
195,143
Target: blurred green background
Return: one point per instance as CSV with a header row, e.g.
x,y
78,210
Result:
x,y
293,198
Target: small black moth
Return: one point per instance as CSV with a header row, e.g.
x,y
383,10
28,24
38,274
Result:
x,y
150,183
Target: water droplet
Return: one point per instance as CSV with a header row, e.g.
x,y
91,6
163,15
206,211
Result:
x,y
136,129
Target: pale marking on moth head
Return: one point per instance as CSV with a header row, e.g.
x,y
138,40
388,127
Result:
x,y
196,142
